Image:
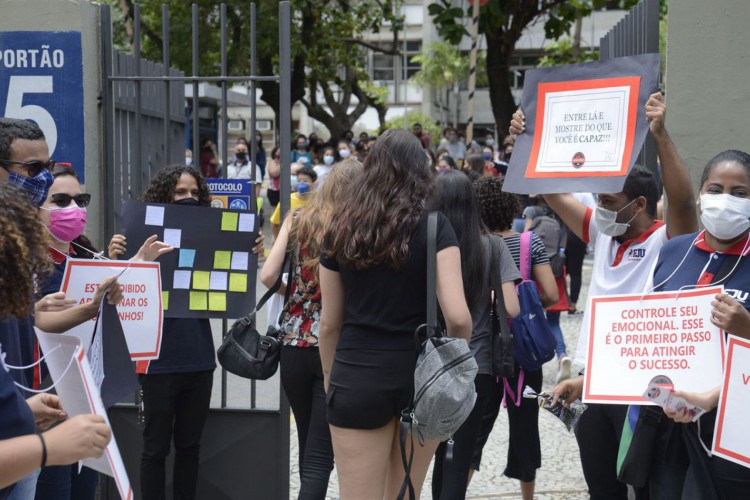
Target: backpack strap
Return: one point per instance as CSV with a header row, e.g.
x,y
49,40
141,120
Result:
x,y
432,271
525,255
496,285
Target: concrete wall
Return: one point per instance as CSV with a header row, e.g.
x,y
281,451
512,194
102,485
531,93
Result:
x,y
83,16
708,79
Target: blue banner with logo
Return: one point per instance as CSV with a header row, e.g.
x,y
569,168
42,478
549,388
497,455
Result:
x,y
235,194
41,79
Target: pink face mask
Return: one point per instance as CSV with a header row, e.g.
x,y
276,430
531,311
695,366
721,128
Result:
x,y
67,224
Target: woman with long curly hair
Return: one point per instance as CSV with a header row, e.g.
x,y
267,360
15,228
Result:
x,y
177,386
373,281
23,250
301,372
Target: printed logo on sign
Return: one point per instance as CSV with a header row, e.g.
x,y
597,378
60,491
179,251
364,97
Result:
x,y
238,204
636,254
738,295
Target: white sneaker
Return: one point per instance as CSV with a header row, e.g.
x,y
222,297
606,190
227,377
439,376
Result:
x,y
563,373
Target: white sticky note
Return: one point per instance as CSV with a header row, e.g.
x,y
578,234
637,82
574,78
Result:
x,y
239,261
182,280
218,280
154,216
173,237
247,223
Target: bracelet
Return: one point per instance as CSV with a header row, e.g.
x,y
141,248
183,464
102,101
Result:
x,y
44,449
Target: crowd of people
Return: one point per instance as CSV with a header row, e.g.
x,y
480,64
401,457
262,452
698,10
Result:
x,y
354,249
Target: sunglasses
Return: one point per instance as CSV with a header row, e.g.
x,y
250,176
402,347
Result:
x,y
33,168
62,200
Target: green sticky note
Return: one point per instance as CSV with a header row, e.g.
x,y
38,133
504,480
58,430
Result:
x,y
222,260
165,300
229,221
198,301
237,282
201,280
217,301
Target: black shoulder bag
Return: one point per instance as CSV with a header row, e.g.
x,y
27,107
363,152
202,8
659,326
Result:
x,y
247,353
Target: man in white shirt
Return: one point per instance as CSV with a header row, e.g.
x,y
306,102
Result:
x,y
242,168
622,222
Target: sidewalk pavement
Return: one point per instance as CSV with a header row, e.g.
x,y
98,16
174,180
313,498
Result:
x,y
560,477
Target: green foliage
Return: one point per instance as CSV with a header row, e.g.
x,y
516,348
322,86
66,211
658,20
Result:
x,y
561,52
441,65
429,126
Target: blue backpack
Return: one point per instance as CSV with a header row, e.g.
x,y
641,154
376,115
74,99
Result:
x,y
533,341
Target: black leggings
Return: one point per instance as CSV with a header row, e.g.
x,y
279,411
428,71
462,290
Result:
x,y
575,252
173,404
302,379
450,478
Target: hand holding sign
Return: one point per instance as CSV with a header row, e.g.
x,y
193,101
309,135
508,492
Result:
x,y
54,302
656,112
730,315
81,437
151,249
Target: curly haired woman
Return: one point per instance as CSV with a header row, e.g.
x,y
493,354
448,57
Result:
x,y
177,386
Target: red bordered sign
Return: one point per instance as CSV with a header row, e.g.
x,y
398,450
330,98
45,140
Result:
x,y
634,338
141,312
731,439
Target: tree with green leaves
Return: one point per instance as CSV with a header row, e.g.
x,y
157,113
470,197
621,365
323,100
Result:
x,y
328,53
503,22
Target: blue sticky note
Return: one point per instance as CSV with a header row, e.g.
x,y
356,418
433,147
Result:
x,y
187,257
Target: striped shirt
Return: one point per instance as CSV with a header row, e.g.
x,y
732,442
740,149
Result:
x,y
538,251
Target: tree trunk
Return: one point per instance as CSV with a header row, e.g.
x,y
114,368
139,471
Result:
x,y
498,66
576,48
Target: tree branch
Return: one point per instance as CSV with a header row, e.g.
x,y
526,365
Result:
x,y
373,47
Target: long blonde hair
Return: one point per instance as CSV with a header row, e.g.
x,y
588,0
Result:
x,y
312,221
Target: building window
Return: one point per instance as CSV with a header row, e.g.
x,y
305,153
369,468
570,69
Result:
x,y
411,67
383,65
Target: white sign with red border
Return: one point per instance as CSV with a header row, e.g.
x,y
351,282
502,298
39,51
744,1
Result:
x,y
633,338
731,439
140,311
74,383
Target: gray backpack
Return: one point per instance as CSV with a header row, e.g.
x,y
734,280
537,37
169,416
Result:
x,y
444,393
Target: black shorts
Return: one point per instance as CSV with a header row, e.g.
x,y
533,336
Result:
x,y
369,388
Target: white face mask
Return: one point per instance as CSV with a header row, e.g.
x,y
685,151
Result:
x,y
328,160
725,216
344,153
188,160
606,221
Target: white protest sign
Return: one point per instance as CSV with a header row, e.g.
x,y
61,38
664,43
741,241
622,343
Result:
x,y
633,338
731,439
74,384
140,311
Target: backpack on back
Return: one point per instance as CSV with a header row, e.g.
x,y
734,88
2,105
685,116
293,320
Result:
x,y
550,232
533,341
444,392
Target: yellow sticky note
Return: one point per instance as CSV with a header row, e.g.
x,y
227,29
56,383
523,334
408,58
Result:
x,y
222,260
201,280
217,301
165,300
237,282
229,221
198,301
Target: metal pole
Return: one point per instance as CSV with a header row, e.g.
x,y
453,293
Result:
x,y
404,79
285,105
138,179
111,200
167,85
253,145
224,154
196,102
472,71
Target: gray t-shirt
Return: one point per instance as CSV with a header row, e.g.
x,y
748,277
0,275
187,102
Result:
x,y
480,313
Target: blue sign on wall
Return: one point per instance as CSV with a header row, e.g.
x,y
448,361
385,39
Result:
x,y
231,193
41,79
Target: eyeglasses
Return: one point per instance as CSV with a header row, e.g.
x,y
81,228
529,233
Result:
x,y
62,200
33,168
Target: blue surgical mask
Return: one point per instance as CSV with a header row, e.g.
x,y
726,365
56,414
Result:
x,y
303,188
36,187
487,156
328,159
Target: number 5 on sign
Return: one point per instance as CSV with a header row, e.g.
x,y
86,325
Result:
x,y
14,107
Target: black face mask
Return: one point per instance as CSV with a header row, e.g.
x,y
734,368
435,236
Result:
x,y
241,155
188,201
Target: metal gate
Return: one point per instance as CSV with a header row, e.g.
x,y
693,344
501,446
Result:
x,y
244,452
636,33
